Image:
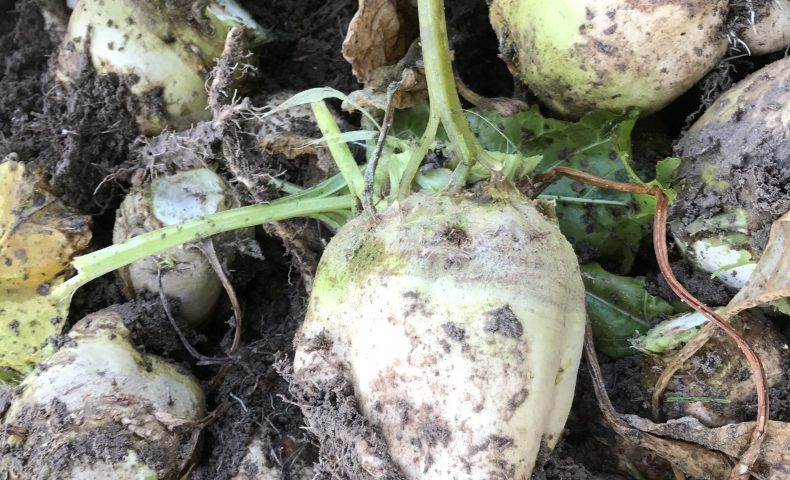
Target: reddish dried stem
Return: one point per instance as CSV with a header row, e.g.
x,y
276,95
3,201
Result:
x,y
539,182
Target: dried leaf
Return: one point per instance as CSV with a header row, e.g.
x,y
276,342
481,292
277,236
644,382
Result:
x,y
693,459
412,88
290,145
772,464
379,34
292,133
719,371
770,281
408,73
38,238
688,445
506,107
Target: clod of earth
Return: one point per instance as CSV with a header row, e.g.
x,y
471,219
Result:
x,y
256,466
580,55
459,321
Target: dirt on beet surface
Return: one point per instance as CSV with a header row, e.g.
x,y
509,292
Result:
x,y
87,139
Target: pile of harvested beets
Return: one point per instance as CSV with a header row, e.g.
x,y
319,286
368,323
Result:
x,y
395,239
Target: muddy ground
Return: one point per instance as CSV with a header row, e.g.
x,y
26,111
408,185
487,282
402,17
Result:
x,y
85,140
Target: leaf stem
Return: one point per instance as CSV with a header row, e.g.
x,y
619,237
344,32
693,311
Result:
x,y
340,152
442,91
417,155
96,264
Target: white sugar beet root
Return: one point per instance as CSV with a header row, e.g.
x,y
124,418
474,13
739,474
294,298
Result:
x,y
184,271
168,47
580,55
732,183
459,322
98,408
771,29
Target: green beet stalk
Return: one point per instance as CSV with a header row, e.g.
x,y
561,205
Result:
x,y
96,264
443,95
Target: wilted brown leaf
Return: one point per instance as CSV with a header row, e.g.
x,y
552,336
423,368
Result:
x,y
292,133
690,458
688,445
730,440
719,370
379,34
410,91
770,281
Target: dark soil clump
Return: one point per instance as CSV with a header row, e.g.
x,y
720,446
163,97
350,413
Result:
x,y
560,466
306,50
24,54
706,289
249,397
80,135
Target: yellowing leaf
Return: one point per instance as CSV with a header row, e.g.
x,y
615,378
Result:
x,y
38,238
38,235
27,321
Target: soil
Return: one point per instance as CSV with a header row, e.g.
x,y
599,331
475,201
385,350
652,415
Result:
x,y
87,139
